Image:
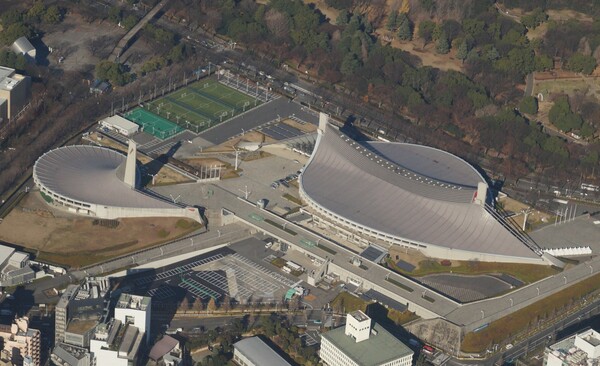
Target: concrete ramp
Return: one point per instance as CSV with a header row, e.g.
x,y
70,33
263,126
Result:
x,y
124,42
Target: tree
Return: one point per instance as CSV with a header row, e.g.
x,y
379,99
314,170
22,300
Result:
x,y
426,29
404,28
114,72
442,45
115,14
463,51
277,23
36,11
185,304
11,16
529,105
392,20
543,63
350,64
212,305
14,31
343,17
226,304
537,17
562,117
12,60
129,22
581,63
197,306
53,15
176,53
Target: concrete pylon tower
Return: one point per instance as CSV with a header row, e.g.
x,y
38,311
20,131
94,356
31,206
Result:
x,y
323,120
481,195
130,164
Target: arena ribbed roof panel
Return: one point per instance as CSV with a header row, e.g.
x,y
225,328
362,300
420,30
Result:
x,y
407,191
90,174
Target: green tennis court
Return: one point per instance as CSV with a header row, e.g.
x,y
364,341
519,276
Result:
x,y
153,124
201,105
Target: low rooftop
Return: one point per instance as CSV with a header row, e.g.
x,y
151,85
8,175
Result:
x,y
380,348
259,352
127,301
359,315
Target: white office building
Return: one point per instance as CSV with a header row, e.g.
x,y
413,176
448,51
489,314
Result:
x,y
579,349
118,342
363,343
121,125
135,310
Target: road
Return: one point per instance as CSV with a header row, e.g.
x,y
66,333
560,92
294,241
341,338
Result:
x,y
281,107
528,84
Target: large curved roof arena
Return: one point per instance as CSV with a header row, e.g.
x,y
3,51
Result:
x,y
404,193
90,175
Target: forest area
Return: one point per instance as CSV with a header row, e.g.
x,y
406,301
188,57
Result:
x,y
479,110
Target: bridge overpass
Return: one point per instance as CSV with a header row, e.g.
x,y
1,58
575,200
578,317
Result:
x,y
124,42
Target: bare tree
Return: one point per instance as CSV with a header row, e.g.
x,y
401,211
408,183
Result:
x,y
277,23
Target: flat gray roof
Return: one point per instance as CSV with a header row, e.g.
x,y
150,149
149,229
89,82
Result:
x,y
580,232
91,174
424,195
379,349
120,122
5,253
259,352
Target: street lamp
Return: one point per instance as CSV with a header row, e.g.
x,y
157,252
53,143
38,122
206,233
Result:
x,y
482,314
511,302
591,269
538,290
565,278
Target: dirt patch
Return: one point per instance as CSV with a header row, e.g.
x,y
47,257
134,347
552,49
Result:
x,y
304,127
328,11
76,241
427,54
310,297
81,44
538,32
566,14
535,218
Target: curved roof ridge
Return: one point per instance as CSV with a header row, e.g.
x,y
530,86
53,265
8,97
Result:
x,y
374,164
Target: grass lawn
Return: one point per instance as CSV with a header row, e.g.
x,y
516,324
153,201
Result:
x,y
202,105
527,273
518,321
278,262
347,302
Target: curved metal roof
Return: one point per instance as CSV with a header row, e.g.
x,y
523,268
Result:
x,y
411,192
91,174
22,45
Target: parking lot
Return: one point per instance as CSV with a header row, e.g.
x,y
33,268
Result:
x,y
215,275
